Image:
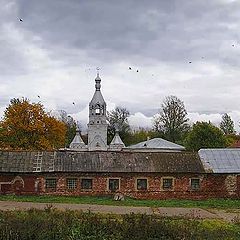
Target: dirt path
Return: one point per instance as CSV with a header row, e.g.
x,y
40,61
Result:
x,y
180,212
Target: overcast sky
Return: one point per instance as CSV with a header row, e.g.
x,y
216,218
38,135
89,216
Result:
x,y
190,49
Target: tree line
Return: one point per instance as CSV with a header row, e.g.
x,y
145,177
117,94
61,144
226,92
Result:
x,y
172,123
28,126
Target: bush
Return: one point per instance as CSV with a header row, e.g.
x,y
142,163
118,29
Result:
x,y
74,225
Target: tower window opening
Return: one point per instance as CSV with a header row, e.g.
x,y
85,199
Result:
x,y
97,110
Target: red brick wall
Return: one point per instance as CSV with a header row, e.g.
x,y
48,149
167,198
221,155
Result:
x,y
211,185
28,186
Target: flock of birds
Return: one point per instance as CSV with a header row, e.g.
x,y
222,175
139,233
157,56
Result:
x,y
129,68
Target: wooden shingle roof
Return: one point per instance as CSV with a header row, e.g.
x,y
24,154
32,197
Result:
x,y
100,161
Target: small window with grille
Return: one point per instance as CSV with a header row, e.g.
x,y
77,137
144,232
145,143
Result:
x,y
71,183
195,183
113,184
167,183
86,183
51,183
142,184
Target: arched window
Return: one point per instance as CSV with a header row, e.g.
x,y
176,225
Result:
x,y
97,109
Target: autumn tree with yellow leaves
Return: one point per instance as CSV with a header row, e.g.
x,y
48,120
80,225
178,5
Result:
x,y
26,126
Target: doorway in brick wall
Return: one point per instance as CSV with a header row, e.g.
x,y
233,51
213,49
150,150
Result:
x,y
18,186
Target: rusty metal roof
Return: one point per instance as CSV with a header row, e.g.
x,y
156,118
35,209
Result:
x,y
100,161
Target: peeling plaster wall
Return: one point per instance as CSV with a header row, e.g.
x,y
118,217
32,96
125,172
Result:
x,y
231,184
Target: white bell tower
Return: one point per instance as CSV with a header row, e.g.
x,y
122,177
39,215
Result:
x,y
97,126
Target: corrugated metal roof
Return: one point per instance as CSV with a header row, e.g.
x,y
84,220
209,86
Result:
x,y
223,160
158,143
101,161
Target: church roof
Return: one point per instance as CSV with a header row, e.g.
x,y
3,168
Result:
x,y
221,160
77,141
100,161
97,97
157,143
117,140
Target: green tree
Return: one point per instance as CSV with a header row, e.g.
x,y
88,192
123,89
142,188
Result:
x,y
205,135
27,126
233,140
141,135
118,118
172,119
70,124
227,124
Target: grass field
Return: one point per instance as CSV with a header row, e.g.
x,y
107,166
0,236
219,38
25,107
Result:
x,y
107,200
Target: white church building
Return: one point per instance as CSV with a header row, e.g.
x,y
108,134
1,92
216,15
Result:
x,y
97,126
97,132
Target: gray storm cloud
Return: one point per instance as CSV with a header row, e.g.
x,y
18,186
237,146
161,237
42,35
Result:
x,y
186,48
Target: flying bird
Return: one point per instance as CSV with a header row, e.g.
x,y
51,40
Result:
x,y
130,68
73,103
189,62
20,19
137,70
233,45
38,96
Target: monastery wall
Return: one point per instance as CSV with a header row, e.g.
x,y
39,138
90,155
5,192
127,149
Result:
x,y
210,185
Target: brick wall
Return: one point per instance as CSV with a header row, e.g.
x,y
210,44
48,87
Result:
x,y
238,185
211,185
17,183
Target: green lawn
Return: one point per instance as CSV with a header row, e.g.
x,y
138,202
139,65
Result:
x,y
211,203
